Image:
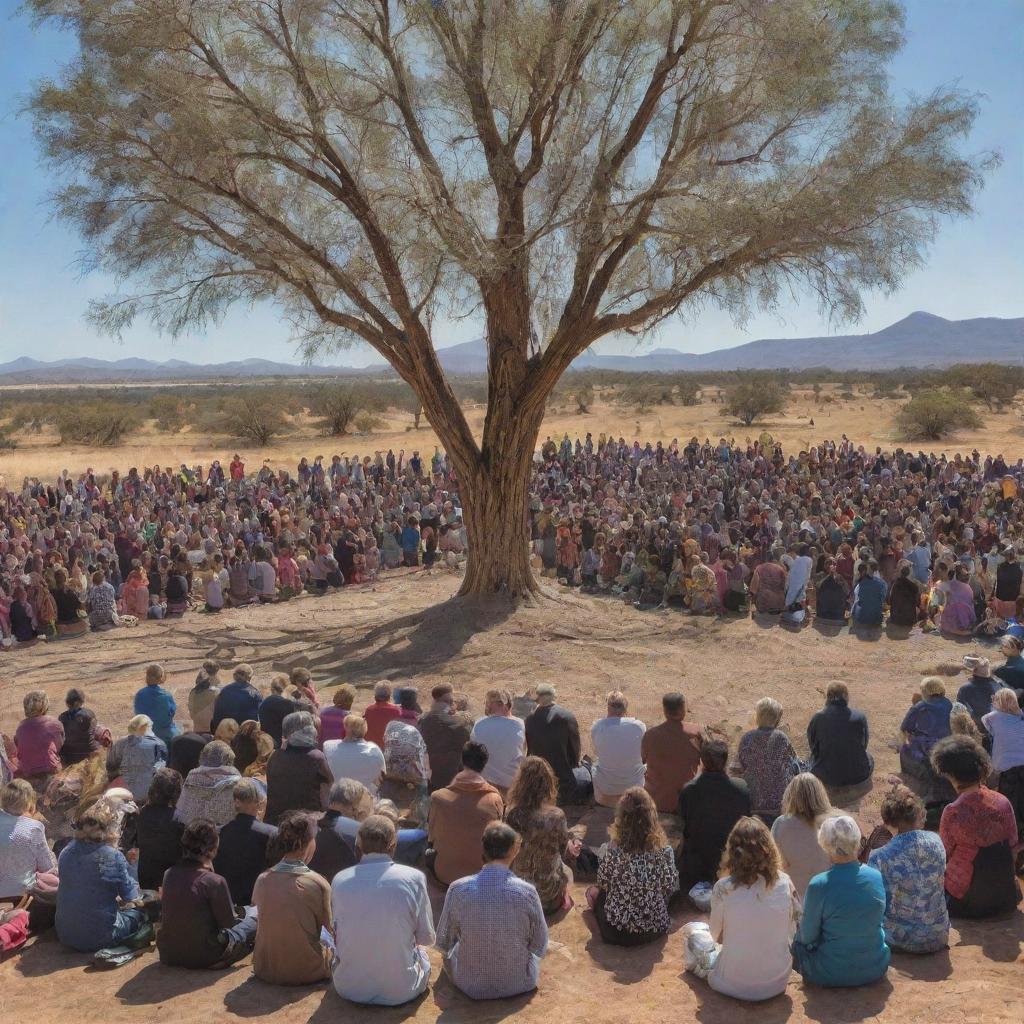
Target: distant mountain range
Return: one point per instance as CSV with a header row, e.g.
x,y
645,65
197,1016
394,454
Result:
x,y
920,340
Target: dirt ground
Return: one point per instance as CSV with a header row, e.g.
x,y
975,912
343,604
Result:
x,y
403,628
866,421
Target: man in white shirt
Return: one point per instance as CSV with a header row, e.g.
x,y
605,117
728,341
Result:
x,y
616,741
503,736
382,922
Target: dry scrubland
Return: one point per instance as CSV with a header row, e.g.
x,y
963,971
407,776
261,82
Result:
x,y
866,420
400,628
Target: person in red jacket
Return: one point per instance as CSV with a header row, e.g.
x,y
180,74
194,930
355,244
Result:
x,y
379,713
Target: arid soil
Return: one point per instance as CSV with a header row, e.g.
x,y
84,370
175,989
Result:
x,y
403,628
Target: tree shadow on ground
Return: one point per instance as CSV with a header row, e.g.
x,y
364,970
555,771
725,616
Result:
x,y
830,1005
999,938
158,983
46,956
714,1008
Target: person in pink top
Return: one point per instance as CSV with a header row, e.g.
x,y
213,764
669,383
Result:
x,y
409,705
379,713
332,719
302,681
288,574
39,739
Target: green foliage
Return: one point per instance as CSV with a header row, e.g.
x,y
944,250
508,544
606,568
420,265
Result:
x,y
252,416
754,397
94,422
367,423
169,413
931,415
584,398
687,390
336,406
992,383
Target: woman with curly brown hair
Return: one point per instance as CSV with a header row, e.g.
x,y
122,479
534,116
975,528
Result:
x,y
754,913
546,843
637,876
294,907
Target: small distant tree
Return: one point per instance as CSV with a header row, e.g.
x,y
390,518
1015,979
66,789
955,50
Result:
x,y
336,407
751,399
367,423
688,392
992,383
97,423
169,413
252,417
817,393
931,415
584,399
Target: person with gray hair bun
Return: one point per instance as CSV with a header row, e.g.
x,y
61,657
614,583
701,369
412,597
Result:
x,y
207,792
298,775
841,941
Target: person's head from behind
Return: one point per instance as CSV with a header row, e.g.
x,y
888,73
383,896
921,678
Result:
x,y
546,695
295,839
806,798
35,704
932,688
714,756
98,824
409,699
767,713
617,704
302,678
344,697
474,756
382,693
443,693
750,854
154,674
75,698
248,797
902,810
837,693
226,731
18,798
355,728
961,760
299,729
377,835
498,702
500,843
140,725
636,828
350,798
839,836
279,682
216,754
164,788
199,841
534,785
674,707
242,674
1005,700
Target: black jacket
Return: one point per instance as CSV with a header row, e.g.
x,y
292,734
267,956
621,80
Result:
x,y
838,738
709,805
553,733
242,855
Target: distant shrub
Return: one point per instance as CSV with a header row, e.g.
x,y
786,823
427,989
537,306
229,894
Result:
x,y
251,417
367,423
169,413
336,407
753,398
98,422
932,415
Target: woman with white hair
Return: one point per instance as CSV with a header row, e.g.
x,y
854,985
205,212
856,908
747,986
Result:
x,y
841,941
38,739
135,757
767,760
207,792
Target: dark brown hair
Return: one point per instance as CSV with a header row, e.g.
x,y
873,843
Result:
x,y
636,828
750,853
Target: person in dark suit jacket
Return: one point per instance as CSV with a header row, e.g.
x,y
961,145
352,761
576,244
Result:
x,y
553,733
838,738
709,806
242,853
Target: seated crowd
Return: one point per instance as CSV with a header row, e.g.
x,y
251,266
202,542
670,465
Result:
x,y
272,828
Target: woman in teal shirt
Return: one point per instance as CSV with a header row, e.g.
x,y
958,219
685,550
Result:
x,y
841,942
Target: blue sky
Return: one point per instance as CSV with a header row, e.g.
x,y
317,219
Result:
x,y
975,268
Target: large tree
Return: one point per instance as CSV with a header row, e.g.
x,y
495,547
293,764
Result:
x,y
563,169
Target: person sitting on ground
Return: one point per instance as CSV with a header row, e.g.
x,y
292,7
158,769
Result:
x,y
203,695
459,813
445,730
380,713
913,868
27,867
382,922
97,898
405,755
1005,725
208,788
637,876
545,842
157,704
841,941
82,735
709,807
1011,672
239,700
977,693
617,741
242,853
904,598
185,750
831,595
804,807
553,733
671,754
766,760
198,924
70,613
504,736
101,604
157,835
136,757
485,961
925,723
349,803
838,738
247,746
294,908
298,775
355,757
978,830
38,740
754,913
276,707
302,680
332,718
869,595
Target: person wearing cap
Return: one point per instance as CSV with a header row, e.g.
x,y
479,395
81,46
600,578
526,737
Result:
x,y
553,733
977,693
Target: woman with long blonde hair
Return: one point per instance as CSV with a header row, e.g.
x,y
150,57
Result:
x,y
805,805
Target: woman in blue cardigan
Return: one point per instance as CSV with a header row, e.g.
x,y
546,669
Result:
x,y
841,942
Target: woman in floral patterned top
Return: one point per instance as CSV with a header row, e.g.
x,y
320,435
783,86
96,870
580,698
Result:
x,y
637,876
978,830
913,868
767,760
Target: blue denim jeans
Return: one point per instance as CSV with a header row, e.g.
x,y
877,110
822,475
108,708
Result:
x,y
128,922
411,844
